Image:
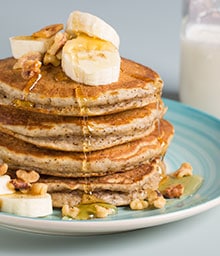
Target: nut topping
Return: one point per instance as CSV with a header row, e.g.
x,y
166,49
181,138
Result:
x,y
19,184
3,169
174,191
48,31
30,64
138,204
156,199
26,176
184,170
38,189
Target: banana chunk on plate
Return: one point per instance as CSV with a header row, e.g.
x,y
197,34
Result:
x,y
4,189
26,205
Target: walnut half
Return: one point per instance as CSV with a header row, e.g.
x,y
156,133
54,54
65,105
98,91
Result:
x,y
48,31
3,169
174,191
184,170
138,204
28,176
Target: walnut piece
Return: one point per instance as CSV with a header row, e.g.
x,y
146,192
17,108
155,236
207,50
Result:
x,y
59,41
51,59
48,31
52,55
29,56
19,184
156,199
28,176
38,189
138,204
30,69
184,170
3,169
174,191
159,202
70,212
30,64
103,212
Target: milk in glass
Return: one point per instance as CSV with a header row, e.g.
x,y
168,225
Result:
x,y
200,66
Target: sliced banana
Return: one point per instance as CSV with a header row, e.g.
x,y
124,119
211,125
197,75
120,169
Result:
x,y
91,61
82,22
4,189
92,57
26,205
21,45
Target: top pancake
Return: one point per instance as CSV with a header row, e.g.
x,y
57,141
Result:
x,y
54,93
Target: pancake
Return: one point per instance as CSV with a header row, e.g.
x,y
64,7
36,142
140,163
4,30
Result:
x,y
19,154
54,93
117,189
77,133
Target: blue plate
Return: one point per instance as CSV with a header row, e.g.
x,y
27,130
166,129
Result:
x,y
196,140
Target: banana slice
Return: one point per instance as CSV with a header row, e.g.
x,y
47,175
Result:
x,y
91,61
82,22
21,45
4,189
26,205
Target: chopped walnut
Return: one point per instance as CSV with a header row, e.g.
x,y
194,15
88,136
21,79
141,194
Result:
x,y
138,204
59,41
48,31
159,202
174,191
28,176
30,69
184,170
19,184
59,54
51,59
38,189
156,199
30,64
3,169
70,212
102,212
26,57
52,55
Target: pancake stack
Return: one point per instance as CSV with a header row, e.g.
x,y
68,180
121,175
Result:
x,y
107,140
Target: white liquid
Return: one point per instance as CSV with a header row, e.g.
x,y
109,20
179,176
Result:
x,y
200,68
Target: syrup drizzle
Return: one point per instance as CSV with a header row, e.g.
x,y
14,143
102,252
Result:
x,y
30,85
32,82
81,97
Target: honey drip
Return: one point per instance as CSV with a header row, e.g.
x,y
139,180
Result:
x,y
92,207
158,120
32,82
81,97
191,183
30,85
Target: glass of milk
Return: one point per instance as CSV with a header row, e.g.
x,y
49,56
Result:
x,y
200,55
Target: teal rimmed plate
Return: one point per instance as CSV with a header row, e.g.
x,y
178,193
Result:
x,y
196,140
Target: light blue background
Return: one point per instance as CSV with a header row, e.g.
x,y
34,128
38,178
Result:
x,y
148,29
